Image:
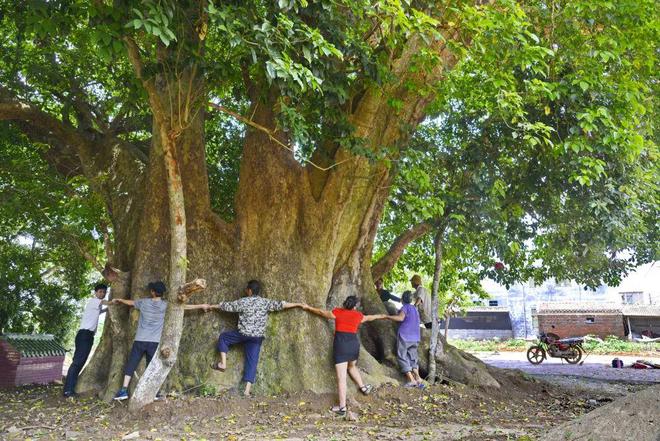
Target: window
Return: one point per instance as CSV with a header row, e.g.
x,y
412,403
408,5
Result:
x,y
632,298
590,320
493,303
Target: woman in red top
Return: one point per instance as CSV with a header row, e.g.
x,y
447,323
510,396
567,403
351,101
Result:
x,y
346,346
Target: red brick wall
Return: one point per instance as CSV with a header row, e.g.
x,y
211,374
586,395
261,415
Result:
x,y
16,370
9,359
575,325
39,370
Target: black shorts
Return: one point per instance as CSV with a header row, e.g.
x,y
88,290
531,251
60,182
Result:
x,y
346,347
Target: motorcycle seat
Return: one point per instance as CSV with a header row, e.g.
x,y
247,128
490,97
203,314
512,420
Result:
x,y
571,340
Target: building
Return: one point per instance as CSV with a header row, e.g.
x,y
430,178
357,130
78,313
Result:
x,y
642,321
572,319
523,300
29,359
639,288
481,323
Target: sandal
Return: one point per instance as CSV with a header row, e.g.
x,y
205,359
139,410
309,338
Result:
x,y
338,411
366,389
216,366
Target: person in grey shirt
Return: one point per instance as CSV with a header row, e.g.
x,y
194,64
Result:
x,y
150,326
422,301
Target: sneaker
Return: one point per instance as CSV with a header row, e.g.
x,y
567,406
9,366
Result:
x,y
121,395
158,397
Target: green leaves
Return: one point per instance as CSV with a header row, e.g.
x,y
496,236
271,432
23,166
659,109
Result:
x,y
155,18
45,221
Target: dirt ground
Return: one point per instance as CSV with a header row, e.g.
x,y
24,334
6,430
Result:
x,y
523,409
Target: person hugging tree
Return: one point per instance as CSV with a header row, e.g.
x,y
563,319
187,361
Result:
x,y
252,312
346,345
150,327
408,340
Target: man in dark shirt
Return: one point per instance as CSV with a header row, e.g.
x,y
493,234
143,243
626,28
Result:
x,y
386,296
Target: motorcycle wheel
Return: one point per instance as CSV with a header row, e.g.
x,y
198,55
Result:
x,y
575,357
535,354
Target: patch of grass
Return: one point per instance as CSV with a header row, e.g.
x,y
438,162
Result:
x,y
611,345
207,390
614,345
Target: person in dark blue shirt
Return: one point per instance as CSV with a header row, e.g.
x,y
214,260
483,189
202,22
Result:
x,y
387,298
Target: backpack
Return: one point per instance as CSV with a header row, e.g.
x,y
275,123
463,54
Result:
x,y
616,363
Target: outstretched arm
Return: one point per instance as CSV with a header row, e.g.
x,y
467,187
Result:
x,y
368,318
127,302
235,306
205,306
397,318
288,305
317,311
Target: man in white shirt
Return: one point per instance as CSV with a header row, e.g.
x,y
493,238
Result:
x,y
85,337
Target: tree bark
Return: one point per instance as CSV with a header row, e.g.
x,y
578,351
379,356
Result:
x,y
160,366
437,273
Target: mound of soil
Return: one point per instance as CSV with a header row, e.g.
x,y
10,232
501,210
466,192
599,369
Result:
x,y
633,417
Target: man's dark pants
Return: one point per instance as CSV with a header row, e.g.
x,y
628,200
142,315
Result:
x,y
84,342
251,347
140,348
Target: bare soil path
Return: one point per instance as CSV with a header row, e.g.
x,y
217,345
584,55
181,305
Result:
x,y
522,410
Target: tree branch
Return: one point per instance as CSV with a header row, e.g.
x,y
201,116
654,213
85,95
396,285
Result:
x,y
391,257
12,109
271,135
189,289
148,84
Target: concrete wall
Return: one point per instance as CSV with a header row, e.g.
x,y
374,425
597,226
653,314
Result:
x,y
521,299
480,334
576,325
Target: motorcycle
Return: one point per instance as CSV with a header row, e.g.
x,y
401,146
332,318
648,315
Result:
x,y
569,349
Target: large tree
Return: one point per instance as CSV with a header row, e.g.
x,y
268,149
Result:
x,y
133,94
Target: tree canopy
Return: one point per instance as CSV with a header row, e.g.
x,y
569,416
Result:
x,y
232,140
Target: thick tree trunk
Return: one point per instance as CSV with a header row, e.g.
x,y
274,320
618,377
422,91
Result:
x,y
103,373
160,366
306,234
437,273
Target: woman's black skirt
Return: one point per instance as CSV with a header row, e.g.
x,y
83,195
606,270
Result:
x,y
346,347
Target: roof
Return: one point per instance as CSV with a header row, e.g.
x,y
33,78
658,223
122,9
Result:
x,y
488,309
579,307
35,345
642,310
598,308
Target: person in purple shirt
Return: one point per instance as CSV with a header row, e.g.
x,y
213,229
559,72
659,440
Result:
x,y
408,340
